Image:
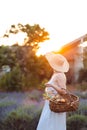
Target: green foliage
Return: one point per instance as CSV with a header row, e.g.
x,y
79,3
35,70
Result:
x,y
17,120
12,81
20,119
76,122
30,71
7,56
35,34
9,103
83,87
27,70
82,110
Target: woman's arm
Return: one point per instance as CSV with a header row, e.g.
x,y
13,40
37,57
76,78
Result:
x,y
58,89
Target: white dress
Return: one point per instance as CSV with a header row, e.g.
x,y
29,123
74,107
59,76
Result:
x,y
50,120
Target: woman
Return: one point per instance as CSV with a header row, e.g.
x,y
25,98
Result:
x,y
50,120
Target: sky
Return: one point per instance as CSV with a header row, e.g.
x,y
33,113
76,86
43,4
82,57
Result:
x,y
65,20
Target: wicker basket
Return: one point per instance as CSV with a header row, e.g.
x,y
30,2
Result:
x,y
65,103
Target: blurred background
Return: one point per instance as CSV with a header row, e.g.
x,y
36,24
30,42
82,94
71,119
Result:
x,y
29,29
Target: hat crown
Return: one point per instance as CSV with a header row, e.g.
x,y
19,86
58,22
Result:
x,y
58,62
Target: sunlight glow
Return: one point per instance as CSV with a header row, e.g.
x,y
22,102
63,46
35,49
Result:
x,y
48,46
65,20
84,44
13,39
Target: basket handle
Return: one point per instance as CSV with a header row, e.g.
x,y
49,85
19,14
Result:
x,y
66,94
63,95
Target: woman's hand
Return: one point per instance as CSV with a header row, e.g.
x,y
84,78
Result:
x,y
49,85
60,90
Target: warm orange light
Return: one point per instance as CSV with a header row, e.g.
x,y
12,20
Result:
x,y
48,46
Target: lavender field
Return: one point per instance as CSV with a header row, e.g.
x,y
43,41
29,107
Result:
x,y
32,100
9,101
23,109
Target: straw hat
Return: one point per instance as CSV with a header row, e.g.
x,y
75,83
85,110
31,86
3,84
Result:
x,y
57,61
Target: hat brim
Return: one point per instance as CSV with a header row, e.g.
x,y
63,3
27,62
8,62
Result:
x,y
53,61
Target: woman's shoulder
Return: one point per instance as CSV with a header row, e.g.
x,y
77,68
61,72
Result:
x,y
59,75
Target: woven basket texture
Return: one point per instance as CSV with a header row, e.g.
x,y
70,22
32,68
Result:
x,y
64,103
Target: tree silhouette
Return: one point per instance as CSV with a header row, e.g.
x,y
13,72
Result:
x,y
35,34
33,69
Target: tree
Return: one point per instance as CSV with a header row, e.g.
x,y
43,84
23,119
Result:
x,y
35,34
7,56
33,69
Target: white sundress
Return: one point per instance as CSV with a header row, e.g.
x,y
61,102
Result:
x,y
50,120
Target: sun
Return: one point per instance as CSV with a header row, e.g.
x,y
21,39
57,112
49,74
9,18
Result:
x,y
48,46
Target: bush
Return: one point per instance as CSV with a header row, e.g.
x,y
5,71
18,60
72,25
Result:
x,y
6,107
82,110
76,122
82,86
20,119
17,121
12,81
